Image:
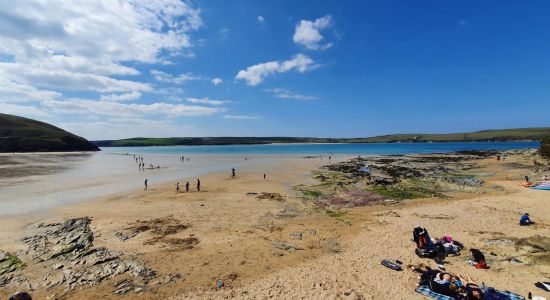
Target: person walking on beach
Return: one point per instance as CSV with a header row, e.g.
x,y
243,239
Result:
x,y
177,187
187,187
233,173
198,185
146,183
264,176
526,178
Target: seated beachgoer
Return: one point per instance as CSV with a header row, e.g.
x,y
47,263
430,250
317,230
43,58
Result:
x,y
478,259
525,220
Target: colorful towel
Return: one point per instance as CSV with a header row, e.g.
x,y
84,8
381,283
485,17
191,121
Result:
x,y
425,290
510,295
543,186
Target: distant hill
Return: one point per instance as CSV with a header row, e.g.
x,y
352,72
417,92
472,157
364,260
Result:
x,y
18,134
544,149
533,134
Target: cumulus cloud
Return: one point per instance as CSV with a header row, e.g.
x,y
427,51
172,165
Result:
x,y
308,33
122,97
177,79
207,101
261,19
287,94
255,74
216,81
80,45
29,111
116,109
241,117
118,128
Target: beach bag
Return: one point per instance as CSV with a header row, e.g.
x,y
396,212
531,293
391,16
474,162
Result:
x,y
424,253
481,265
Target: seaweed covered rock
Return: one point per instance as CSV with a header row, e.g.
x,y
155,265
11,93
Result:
x,y
9,262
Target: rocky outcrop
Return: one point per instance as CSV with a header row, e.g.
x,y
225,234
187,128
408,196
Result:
x,y
68,254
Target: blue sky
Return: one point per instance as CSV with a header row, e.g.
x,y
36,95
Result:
x,y
276,68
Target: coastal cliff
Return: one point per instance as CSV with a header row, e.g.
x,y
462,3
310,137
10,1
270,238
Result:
x,y
18,134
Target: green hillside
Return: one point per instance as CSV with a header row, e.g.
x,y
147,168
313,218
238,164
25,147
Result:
x,y
544,149
485,135
18,134
478,136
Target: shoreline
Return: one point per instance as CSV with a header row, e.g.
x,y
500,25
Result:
x,y
233,227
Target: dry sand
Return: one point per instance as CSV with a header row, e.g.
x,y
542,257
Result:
x,y
236,233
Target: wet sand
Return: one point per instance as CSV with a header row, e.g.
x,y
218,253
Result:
x,y
237,233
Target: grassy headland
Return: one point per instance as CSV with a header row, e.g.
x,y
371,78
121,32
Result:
x,y
18,134
478,136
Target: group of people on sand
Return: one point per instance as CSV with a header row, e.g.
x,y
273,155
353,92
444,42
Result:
x,y
187,186
178,185
444,283
434,283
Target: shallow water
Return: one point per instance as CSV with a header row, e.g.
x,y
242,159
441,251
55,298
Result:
x,y
37,182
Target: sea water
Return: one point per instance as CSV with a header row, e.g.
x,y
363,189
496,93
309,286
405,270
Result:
x,y
38,181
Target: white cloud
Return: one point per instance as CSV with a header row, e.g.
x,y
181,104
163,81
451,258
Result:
x,y
223,34
216,81
118,128
287,94
79,46
116,109
165,77
462,23
308,33
255,74
29,111
18,92
122,97
240,117
207,101
261,19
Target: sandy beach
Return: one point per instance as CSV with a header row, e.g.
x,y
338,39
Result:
x,y
264,239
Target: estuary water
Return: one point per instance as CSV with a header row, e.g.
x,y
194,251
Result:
x,y
36,182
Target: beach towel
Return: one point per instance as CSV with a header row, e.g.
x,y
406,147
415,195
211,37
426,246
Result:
x,y
492,294
425,290
543,186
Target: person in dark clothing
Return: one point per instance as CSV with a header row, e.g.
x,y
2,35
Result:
x,y
264,176
20,296
525,220
146,184
478,259
439,282
177,187
198,185
233,173
526,178
187,186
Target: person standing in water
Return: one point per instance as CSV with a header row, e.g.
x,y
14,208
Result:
x,y
198,185
146,184
187,186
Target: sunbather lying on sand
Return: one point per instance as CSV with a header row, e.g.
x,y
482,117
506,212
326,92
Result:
x,y
439,282
472,289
